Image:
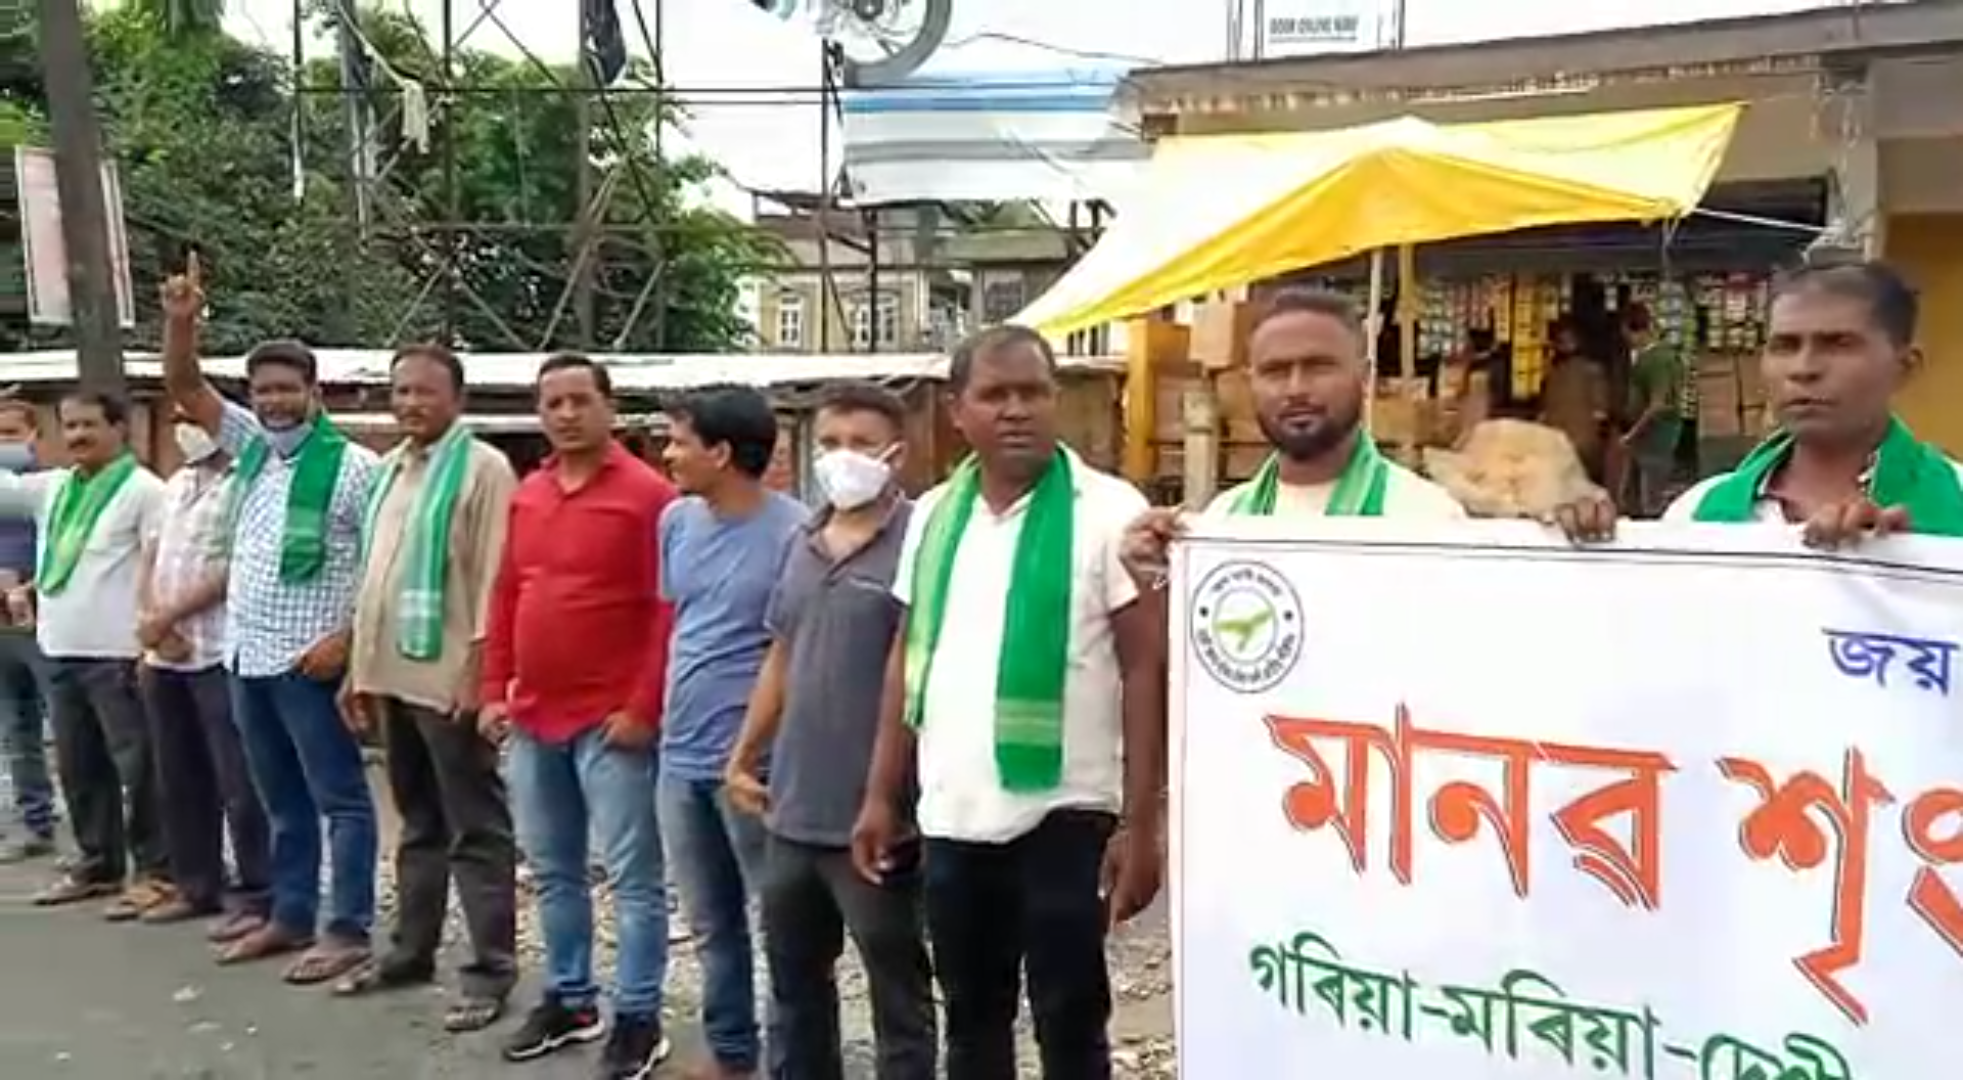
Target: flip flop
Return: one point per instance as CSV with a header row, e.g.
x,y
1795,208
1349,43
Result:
x,y
376,976
231,927
473,1014
264,943
325,963
74,890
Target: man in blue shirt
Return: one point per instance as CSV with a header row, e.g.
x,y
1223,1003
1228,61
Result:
x,y
722,549
22,731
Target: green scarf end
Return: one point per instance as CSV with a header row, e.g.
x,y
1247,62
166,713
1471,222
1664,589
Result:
x,y
1028,770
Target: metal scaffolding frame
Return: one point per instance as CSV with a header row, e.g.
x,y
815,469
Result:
x,y
439,244
375,204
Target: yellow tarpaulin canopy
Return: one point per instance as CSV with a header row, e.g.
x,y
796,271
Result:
x,y
1217,211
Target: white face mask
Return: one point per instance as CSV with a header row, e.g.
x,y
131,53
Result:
x,y
194,442
851,479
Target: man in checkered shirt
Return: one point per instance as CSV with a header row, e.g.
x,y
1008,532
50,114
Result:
x,y
300,493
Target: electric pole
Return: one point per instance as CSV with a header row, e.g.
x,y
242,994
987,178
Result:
x,y
78,181
586,247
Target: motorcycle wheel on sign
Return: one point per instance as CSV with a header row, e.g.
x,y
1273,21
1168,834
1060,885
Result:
x,y
883,41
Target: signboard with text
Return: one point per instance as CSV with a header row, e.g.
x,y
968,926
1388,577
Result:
x,y
46,252
1310,27
1481,805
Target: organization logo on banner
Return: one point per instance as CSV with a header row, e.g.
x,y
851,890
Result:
x,y
1246,626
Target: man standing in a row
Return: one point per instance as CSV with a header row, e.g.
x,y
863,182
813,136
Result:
x,y
432,544
92,518
722,551
300,493
575,664
203,779
1028,684
815,715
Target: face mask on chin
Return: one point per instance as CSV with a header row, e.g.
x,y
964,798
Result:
x,y
286,441
851,479
16,456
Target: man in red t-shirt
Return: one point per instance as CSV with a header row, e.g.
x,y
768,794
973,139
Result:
x,y
574,669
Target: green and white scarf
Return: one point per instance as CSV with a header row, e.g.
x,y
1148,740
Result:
x,y
309,497
425,553
1907,473
1359,491
1035,651
71,522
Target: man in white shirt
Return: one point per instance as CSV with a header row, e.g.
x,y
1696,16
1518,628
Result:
x,y
1840,339
1026,691
1308,370
91,518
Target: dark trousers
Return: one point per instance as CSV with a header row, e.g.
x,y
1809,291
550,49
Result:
x,y
103,754
456,823
994,909
812,897
205,787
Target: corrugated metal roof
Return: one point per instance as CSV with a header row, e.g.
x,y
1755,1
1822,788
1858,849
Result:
x,y
369,367
495,423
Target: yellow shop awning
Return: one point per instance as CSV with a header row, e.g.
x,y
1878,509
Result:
x,y
1218,211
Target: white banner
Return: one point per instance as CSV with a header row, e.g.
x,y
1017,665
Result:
x,y
1479,805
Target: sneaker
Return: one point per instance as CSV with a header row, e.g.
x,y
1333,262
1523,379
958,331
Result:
x,y
552,1026
634,1048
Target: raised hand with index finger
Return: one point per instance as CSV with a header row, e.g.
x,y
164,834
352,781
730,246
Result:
x,y
183,294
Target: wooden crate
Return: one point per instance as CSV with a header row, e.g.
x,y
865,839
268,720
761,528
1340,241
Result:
x,y
1220,332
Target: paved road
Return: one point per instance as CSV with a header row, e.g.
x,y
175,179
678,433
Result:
x,y
81,998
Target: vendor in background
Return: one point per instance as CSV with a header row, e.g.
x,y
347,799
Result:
x,y
1471,397
1575,397
1656,373
1840,340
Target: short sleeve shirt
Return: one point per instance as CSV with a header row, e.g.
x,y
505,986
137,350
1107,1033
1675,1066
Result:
x,y
961,796
834,620
270,622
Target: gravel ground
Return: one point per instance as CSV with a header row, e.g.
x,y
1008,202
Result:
x,y
164,1011
1141,965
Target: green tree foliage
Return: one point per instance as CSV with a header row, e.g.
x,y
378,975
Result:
x,y
201,127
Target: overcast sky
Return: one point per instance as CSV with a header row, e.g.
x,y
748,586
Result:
x,y
715,44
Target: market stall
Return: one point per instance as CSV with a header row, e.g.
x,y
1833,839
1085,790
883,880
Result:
x,y
1217,214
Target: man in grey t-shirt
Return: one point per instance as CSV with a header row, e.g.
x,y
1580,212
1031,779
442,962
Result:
x,y
832,619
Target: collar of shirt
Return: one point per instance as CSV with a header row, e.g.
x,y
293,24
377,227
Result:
x,y
1865,480
616,455
1077,468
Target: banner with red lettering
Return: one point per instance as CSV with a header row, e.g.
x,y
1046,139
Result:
x,y
1477,804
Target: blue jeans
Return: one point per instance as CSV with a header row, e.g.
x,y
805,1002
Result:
x,y
719,858
24,731
564,792
307,766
